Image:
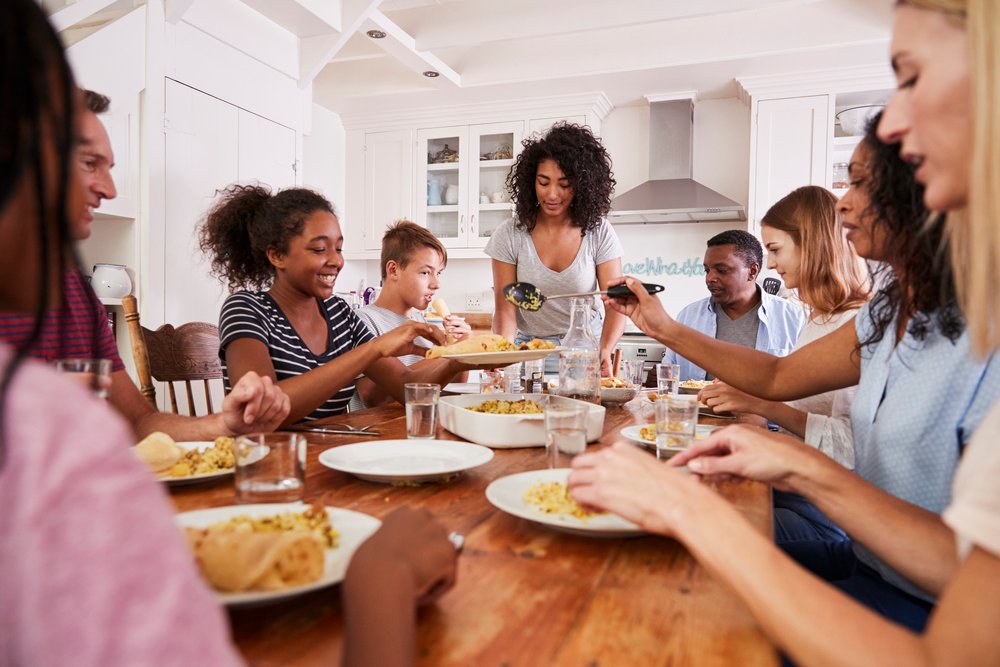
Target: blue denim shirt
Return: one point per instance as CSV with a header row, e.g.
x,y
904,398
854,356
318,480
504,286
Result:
x,y
781,321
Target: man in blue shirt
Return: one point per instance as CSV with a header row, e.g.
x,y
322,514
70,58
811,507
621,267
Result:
x,y
738,310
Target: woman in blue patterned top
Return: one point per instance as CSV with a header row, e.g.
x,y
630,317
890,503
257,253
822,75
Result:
x,y
921,394
283,252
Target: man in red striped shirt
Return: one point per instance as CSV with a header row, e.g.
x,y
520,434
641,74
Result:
x,y
78,328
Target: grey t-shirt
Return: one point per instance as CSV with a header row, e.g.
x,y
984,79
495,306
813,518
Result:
x,y
514,246
381,321
741,331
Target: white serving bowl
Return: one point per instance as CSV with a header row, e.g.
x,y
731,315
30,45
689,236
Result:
x,y
507,431
853,120
618,394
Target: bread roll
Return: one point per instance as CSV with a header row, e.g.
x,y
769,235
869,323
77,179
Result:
x,y
158,451
240,561
440,308
472,344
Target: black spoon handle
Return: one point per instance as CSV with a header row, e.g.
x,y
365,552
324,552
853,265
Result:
x,y
620,291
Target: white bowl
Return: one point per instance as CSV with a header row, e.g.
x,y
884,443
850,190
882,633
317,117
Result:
x,y
853,120
618,394
506,431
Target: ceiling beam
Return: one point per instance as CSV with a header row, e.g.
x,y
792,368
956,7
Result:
x,y
402,46
315,52
72,14
173,10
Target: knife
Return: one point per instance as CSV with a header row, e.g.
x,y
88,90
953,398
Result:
x,y
334,431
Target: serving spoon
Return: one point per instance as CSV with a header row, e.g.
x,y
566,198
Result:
x,y
527,297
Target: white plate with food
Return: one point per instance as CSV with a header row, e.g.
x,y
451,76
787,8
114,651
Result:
x,y
547,489
352,529
502,420
645,434
177,463
393,461
693,386
618,394
201,447
501,358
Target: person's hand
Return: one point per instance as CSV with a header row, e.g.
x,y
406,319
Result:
x,y
399,341
643,308
633,484
414,540
722,398
255,405
457,327
748,452
607,368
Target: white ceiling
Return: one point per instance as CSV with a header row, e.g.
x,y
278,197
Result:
x,y
502,49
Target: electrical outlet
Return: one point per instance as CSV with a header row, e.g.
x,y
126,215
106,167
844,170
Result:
x,y
474,303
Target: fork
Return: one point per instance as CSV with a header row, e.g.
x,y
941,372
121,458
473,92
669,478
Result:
x,y
348,427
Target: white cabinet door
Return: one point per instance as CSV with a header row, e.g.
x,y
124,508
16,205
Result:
x,y
494,147
443,155
792,139
266,152
388,182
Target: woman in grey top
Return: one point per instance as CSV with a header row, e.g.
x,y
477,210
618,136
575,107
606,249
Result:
x,y
559,240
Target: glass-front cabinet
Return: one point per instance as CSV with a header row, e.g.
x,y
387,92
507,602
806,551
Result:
x,y
463,170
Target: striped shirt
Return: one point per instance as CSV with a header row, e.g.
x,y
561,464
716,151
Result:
x,y
381,320
256,315
76,330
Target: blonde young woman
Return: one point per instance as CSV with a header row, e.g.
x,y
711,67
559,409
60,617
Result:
x,y
806,246
942,69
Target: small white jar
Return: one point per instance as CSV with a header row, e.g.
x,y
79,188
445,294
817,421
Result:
x,y
111,281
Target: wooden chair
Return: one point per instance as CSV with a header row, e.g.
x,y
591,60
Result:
x,y
188,354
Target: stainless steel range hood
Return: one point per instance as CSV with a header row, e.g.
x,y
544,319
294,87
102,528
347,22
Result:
x,y
671,195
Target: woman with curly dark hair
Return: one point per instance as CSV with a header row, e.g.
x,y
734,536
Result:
x,y
283,252
921,394
559,239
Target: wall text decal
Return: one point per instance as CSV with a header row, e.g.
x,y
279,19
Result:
x,y
658,266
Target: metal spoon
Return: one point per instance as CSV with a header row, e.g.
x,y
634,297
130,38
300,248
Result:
x,y
527,297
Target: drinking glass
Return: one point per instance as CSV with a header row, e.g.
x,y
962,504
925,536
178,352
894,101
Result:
x,y
421,409
512,379
94,373
270,467
676,423
632,372
668,378
565,432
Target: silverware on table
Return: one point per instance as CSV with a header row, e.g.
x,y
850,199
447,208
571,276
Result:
x,y
335,431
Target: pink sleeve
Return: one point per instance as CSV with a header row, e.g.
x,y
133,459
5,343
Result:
x,y
93,570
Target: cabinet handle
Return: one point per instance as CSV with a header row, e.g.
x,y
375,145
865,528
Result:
x,y
473,230
461,225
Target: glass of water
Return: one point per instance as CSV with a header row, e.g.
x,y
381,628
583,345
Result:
x,y
676,423
421,409
270,467
668,378
565,432
95,374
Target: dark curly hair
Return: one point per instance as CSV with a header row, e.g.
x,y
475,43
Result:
x,y
747,246
246,222
916,278
586,164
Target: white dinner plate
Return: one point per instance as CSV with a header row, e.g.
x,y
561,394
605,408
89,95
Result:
x,y
405,460
633,433
461,388
501,358
507,494
194,479
354,528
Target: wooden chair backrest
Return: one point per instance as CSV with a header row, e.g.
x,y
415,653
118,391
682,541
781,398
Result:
x,y
187,354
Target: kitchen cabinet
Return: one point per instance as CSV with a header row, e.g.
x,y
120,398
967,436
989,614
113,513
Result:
x,y
461,176
387,169
794,141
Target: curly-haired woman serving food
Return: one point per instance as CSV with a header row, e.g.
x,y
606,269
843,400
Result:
x,y
559,239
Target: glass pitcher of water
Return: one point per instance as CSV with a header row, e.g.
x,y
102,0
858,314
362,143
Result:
x,y
580,361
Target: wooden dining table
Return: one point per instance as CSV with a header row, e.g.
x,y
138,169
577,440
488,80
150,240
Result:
x,y
525,594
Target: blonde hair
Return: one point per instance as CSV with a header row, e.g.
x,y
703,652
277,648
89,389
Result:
x,y
832,278
975,230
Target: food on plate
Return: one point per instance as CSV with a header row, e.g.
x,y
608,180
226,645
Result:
x,y
439,308
217,458
239,561
648,433
158,451
521,407
613,383
695,384
472,345
554,498
537,344
264,553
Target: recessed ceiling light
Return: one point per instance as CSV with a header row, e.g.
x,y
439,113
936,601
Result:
x,y
430,74
376,34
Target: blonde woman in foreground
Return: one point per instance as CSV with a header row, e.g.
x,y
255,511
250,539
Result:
x,y
941,114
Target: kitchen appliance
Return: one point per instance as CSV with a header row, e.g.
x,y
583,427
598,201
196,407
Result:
x,y
637,345
671,194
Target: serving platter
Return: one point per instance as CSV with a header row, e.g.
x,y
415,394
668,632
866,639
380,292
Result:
x,y
501,358
354,528
393,461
